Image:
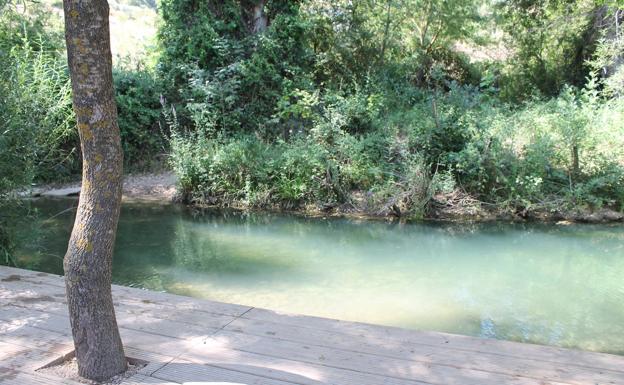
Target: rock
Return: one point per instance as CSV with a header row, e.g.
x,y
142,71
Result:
x,y
589,218
612,216
600,216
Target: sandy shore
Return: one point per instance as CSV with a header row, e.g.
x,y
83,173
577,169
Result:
x,y
160,187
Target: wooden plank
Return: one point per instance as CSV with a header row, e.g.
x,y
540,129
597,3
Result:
x,y
54,344
256,365
122,293
52,299
154,360
378,334
183,371
179,302
28,338
142,323
16,317
365,363
22,358
8,350
28,361
130,317
148,341
12,274
428,354
291,348
13,377
140,379
18,365
195,350
302,373
51,326
35,338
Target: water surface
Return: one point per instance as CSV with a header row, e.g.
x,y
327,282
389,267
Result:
x,y
546,284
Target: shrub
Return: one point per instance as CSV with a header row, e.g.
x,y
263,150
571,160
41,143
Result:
x,y
38,140
569,147
566,151
137,93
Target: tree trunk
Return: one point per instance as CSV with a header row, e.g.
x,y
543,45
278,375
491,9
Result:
x,y
386,32
88,262
576,168
260,18
254,16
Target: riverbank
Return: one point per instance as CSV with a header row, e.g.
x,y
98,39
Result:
x,y
441,212
451,207
153,187
454,206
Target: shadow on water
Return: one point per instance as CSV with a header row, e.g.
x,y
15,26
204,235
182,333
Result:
x,y
541,283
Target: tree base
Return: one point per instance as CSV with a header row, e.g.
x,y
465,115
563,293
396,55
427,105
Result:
x,y
66,366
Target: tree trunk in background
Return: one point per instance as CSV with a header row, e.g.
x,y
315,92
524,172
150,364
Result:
x,y
88,262
608,25
253,12
576,168
261,20
386,32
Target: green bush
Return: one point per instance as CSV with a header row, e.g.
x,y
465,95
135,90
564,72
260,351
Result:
x,y
547,53
570,147
321,168
341,104
245,171
221,76
38,138
564,152
138,93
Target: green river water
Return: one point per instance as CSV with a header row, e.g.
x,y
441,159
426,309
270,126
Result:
x,y
540,283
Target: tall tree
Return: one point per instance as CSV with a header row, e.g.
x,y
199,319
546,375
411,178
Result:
x,y
254,11
88,262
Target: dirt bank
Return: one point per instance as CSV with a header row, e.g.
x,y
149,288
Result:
x,y
159,187
154,187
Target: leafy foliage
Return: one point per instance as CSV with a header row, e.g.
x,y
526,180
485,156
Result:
x,y
36,114
369,105
139,115
553,41
36,108
379,106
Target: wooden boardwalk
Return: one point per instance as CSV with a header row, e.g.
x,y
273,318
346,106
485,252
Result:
x,y
186,340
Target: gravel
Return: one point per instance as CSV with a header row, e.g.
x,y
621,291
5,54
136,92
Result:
x,y
69,369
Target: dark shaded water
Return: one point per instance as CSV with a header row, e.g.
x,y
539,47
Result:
x,y
547,284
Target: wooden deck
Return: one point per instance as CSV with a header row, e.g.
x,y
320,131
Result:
x,y
187,340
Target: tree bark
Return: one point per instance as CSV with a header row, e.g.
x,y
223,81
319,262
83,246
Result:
x,y
254,16
88,262
576,168
386,32
260,18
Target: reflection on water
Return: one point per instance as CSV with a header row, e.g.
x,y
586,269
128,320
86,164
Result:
x,y
547,284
